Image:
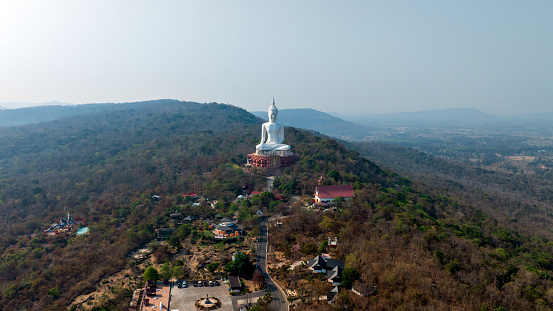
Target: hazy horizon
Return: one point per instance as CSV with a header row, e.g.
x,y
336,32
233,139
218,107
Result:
x,y
365,57
345,116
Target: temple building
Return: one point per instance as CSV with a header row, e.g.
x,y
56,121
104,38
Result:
x,y
327,194
271,153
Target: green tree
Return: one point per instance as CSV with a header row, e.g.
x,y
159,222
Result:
x,y
177,271
241,265
151,274
334,174
212,266
309,248
349,275
323,246
165,271
54,292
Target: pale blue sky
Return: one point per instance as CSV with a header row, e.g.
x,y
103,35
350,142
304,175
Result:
x,y
342,56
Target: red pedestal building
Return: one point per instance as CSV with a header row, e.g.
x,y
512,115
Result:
x,y
273,161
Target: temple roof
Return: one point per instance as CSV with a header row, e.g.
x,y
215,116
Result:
x,y
334,273
329,192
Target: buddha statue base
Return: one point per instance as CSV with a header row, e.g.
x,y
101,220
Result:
x,y
274,152
272,159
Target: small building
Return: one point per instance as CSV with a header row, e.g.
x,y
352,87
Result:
x,y
333,244
363,289
320,264
234,283
333,294
259,213
189,218
255,192
334,276
327,194
227,228
164,233
176,216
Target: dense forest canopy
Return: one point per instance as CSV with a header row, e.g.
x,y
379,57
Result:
x,y
105,166
426,243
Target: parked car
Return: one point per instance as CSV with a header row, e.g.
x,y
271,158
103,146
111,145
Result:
x,y
217,283
206,283
211,283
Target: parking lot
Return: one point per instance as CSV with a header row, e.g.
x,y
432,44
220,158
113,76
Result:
x,y
184,298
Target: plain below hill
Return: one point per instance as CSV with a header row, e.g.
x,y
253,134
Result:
x,y
319,121
449,117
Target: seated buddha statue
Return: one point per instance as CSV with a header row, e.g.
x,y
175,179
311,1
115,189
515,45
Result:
x,y
272,134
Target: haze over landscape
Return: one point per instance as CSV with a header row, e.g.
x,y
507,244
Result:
x,y
362,56
405,161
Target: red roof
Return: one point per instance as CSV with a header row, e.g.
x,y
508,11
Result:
x,y
257,192
329,192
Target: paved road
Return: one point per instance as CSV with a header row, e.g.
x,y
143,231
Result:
x,y
279,299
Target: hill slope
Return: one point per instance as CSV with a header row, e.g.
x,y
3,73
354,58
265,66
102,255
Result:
x,y
403,237
104,167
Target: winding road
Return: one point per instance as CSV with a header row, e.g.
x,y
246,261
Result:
x,y
279,298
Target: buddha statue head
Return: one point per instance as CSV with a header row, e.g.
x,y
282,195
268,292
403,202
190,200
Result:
x,y
273,112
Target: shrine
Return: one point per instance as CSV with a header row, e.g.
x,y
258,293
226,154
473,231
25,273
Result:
x,y
271,153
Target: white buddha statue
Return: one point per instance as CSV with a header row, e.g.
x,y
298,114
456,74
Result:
x,y
272,135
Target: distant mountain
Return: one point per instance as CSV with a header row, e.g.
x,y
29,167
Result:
x,y
17,105
50,112
322,122
428,117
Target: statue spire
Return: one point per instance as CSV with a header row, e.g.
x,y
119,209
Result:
x,y
273,107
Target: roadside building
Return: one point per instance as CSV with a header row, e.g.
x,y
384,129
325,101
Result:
x,y
234,283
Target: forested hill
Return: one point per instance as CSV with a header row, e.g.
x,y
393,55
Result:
x,y
522,200
53,111
22,116
422,247
103,167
